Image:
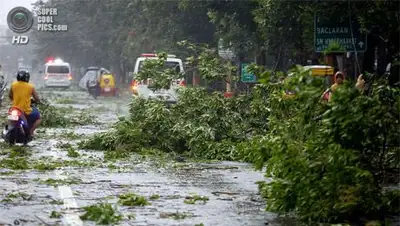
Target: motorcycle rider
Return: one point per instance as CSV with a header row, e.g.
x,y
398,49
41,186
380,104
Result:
x,y
93,83
20,93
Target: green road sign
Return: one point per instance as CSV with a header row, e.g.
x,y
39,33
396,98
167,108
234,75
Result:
x,y
246,76
326,32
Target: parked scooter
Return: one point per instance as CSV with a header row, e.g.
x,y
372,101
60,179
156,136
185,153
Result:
x,y
17,128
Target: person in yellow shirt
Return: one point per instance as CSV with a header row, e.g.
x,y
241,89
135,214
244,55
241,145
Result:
x,y
21,92
339,79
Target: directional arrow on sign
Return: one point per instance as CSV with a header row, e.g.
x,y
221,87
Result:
x,y
361,44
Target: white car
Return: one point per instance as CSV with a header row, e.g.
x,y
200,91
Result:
x,y
57,74
140,88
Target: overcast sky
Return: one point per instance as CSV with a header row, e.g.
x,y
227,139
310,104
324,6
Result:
x,y
7,5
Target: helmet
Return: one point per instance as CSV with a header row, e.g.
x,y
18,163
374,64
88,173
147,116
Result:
x,y
23,75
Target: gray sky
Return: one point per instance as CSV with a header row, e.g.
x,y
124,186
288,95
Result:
x,y
7,5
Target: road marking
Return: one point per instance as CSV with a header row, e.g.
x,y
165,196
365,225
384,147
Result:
x,y
70,218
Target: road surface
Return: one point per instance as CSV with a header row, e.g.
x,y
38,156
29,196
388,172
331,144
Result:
x,y
53,176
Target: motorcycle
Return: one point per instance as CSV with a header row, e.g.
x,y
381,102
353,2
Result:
x,y
17,128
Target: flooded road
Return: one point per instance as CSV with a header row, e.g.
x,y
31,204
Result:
x,y
52,181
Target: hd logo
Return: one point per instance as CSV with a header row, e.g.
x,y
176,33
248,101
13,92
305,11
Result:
x,y
20,40
20,20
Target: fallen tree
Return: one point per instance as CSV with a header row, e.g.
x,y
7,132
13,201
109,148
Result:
x,y
329,161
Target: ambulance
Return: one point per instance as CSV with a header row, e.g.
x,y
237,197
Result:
x,y
57,73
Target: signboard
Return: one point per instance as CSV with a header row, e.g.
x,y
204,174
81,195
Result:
x,y
246,76
224,52
326,32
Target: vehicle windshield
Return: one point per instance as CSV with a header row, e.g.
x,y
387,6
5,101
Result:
x,y
58,69
167,65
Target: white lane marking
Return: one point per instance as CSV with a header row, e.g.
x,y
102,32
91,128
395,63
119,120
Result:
x,y
70,218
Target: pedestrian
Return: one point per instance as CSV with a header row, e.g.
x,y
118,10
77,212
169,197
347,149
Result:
x,y
339,79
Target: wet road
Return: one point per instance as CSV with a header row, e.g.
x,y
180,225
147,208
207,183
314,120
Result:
x,y
53,177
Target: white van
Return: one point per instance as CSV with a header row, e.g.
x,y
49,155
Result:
x,y
57,74
141,87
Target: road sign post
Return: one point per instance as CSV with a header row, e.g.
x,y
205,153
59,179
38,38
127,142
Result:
x,y
349,36
247,77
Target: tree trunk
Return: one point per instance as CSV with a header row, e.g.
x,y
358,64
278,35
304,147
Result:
x,y
382,57
394,77
328,59
260,59
196,78
393,49
340,62
369,55
349,67
116,69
